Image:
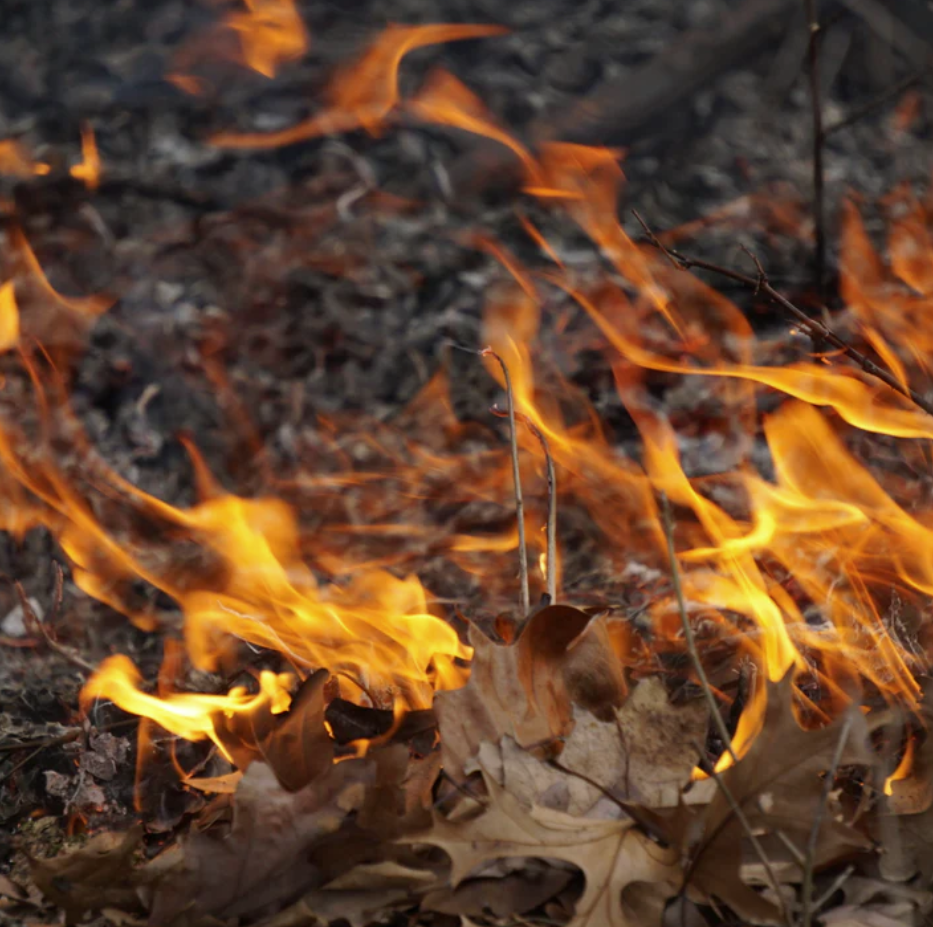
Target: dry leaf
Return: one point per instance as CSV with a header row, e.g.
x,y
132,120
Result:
x,y
526,690
295,744
98,875
264,858
644,754
898,914
913,794
217,785
611,854
779,786
515,893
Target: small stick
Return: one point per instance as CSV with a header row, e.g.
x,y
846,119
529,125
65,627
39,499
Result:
x,y
878,101
655,240
639,815
38,629
815,328
551,502
806,917
819,226
837,883
517,480
755,842
688,632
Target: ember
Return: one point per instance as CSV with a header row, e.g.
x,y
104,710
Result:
x,y
403,495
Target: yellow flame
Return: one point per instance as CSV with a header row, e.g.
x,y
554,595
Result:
x,y
9,317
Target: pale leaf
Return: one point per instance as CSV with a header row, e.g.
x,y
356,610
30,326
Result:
x,y
611,854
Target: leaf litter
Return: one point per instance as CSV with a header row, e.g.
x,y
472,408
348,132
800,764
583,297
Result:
x,y
595,819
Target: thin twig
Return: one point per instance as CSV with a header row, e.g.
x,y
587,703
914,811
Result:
x,y
877,102
38,628
551,576
655,240
815,328
517,480
642,817
806,917
688,631
819,227
837,883
755,842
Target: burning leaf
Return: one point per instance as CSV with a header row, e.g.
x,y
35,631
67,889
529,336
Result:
x,y
264,859
527,690
611,854
95,876
779,786
294,743
217,785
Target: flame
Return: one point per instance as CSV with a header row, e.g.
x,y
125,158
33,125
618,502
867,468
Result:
x,y
88,170
9,317
903,770
16,162
787,571
376,630
271,33
366,93
84,307
188,715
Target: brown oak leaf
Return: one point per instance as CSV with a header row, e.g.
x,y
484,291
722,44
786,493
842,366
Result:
x,y
611,854
527,690
779,785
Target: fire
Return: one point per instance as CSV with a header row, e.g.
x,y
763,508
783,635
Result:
x,y
88,170
271,33
188,715
16,162
9,317
789,572
365,95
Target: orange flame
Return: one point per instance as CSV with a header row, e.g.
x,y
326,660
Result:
x,y
789,571
16,162
189,715
271,33
9,317
88,170
365,94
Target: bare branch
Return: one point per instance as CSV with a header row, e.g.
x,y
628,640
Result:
x,y
551,505
755,842
819,210
37,629
688,631
806,918
516,478
814,327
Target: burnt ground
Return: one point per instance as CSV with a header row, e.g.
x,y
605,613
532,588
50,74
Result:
x,y
255,316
